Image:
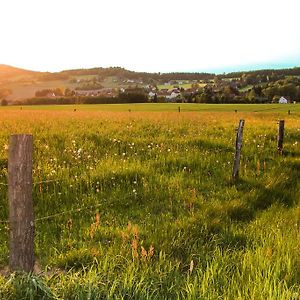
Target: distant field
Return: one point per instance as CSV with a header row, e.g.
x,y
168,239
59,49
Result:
x,y
185,86
184,107
21,90
27,90
246,88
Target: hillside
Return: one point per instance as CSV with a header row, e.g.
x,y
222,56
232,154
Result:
x,y
20,84
9,72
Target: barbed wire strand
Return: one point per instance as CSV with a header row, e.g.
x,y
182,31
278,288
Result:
x,y
38,182
73,211
77,210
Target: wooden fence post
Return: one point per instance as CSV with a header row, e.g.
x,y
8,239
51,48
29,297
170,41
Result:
x,y
178,108
280,136
238,148
21,218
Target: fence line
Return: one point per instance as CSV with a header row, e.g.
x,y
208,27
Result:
x,y
20,187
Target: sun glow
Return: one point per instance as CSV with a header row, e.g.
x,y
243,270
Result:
x,y
148,36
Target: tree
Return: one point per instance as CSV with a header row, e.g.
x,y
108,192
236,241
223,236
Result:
x,y
69,92
4,102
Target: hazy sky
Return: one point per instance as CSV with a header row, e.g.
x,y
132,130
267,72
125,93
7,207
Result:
x,y
157,35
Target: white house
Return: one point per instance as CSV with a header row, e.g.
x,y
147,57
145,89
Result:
x,y
172,97
151,95
282,100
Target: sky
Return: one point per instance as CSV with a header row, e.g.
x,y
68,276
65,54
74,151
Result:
x,y
150,36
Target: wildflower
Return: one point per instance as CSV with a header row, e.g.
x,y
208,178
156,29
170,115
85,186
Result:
x,y
143,252
151,251
134,246
191,266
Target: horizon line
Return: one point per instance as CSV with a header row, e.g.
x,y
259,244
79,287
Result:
x,y
216,71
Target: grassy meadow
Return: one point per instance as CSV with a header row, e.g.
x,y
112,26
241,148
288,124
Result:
x,y
165,107
140,204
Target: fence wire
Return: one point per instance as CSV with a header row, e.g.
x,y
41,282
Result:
x,y
35,183
68,212
73,211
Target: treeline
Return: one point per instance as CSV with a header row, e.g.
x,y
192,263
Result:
x,y
288,87
80,100
122,73
260,93
47,92
126,74
267,72
129,96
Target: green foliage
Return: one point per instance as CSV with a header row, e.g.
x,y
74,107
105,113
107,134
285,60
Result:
x,y
25,287
4,102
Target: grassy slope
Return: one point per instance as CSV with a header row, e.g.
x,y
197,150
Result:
x,y
184,85
158,180
23,90
27,90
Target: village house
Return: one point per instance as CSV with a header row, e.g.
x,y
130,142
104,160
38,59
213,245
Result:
x,y
108,92
50,95
151,95
282,100
173,96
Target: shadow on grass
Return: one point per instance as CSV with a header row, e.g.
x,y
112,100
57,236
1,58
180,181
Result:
x,y
214,147
282,192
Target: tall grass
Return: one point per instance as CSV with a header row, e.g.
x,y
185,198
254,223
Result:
x,y
141,206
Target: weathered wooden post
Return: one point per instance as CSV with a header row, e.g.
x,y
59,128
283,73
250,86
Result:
x,y
238,148
21,218
178,108
289,112
280,136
